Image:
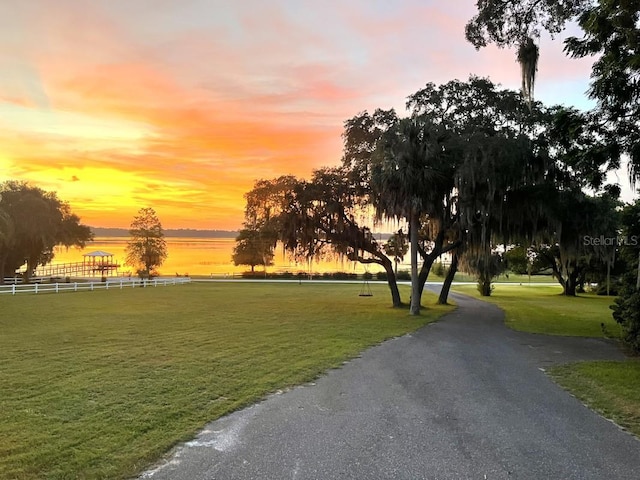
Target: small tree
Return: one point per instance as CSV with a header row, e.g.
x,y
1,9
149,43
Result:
x,y
485,265
253,248
147,248
396,247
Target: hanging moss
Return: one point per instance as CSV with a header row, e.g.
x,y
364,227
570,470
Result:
x,y
528,55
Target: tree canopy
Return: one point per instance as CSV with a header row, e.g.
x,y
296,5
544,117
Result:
x,y
253,248
32,223
472,167
611,33
146,249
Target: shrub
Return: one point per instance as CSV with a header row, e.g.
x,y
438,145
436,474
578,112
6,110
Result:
x,y
403,275
626,309
340,276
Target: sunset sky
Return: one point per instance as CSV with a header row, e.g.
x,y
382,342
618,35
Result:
x,y
181,105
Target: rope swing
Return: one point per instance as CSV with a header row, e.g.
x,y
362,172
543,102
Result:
x,y
365,291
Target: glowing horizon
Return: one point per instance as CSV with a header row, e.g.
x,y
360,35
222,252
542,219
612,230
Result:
x,y
181,107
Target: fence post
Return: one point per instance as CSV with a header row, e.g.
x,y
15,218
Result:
x,y
13,289
75,286
91,286
56,287
120,284
106,285
36,288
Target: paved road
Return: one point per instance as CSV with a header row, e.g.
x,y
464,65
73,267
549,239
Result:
x,y
464,398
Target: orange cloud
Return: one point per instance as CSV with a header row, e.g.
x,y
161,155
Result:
x,y
181,106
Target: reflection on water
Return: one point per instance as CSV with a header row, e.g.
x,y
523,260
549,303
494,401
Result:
x,y
204,256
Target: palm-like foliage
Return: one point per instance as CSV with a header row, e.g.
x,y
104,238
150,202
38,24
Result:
x,y
611,34
411,179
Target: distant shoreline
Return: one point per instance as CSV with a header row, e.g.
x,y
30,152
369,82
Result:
x,y
189,233
179,232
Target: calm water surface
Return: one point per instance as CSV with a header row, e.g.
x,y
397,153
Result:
x,y
202,256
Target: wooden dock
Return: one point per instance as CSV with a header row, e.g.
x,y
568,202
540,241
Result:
x,y
78,269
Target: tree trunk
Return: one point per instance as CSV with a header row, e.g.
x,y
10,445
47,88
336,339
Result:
x,y
446,286
430,258
416,292
395,293
3,264
569,289
484,286
391,279
29,271
570,285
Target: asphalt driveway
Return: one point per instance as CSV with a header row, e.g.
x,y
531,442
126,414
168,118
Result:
x,y
464,398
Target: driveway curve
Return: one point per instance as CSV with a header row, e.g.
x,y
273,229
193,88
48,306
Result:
x,y
464,398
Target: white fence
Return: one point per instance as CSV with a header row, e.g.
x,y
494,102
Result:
x,y
112,283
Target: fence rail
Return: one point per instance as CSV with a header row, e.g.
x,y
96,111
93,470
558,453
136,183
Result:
x,y
112,283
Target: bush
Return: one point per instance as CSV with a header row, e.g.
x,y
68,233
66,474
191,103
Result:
x,y
626,311
367,275
403,275
250,274
381,276
438,269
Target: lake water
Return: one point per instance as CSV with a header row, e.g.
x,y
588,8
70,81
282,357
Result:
x,y
204,256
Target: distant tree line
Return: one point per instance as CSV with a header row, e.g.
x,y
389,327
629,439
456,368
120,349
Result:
x,y
32,223
169,232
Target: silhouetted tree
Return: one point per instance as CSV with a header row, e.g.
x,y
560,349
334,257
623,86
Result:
x,y
253,248
32,223
146,249
611,33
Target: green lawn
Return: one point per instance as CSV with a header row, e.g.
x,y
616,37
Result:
x,y
505,278
610,388
542,309
100,384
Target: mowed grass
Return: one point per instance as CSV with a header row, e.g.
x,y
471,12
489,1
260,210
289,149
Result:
x,y
101,384
610,388
543,309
